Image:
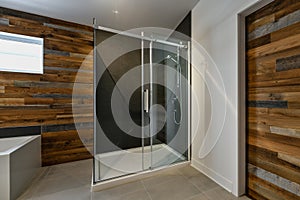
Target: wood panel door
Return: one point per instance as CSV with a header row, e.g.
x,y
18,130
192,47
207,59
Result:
x,y
273,94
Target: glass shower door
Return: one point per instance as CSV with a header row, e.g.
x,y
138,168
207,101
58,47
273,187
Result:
x,y
118,142
141,104
169,103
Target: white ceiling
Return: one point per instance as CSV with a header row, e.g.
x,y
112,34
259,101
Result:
x,y
132,13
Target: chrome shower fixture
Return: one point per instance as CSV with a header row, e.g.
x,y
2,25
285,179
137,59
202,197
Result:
x,y
171,58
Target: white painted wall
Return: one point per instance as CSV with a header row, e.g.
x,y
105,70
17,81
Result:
x,y
215,27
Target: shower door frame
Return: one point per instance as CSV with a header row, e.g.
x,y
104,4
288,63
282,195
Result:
x,y
151,40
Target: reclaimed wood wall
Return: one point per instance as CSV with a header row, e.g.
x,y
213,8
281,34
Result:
x,y
44,102
273,65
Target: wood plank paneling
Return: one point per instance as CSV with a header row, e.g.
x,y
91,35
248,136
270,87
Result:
x,y
273,94
285,64
49,101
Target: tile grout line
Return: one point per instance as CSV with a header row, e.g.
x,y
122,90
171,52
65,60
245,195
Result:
x,y
128,193
39,178
185,177
34,186
148,193
194,196
202,192
192,183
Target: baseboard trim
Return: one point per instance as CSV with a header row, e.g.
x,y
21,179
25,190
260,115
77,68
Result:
x,y
219,179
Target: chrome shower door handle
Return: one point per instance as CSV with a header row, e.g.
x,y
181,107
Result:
x,y
146,100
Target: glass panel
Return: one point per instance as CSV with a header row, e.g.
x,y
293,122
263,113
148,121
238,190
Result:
x,y
169,104
118,142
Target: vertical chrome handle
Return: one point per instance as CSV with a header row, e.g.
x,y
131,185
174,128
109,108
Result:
x,y
146,100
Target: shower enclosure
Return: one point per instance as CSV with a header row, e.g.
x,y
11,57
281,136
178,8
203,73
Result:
x,y
142,102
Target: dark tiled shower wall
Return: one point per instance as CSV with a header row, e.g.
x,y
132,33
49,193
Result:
x,y
107,83
42,104
185,28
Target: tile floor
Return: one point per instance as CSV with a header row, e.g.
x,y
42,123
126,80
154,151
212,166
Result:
x,y
71,181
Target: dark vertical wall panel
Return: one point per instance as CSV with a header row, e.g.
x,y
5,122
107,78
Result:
x,y
185,26
44,102
273,50
111,137
184,29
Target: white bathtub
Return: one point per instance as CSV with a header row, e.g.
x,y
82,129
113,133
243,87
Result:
x,y
20,160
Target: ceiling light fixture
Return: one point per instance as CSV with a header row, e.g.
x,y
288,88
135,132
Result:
x,y
115,11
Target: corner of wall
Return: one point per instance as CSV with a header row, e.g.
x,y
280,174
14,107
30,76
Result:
x,y
215,176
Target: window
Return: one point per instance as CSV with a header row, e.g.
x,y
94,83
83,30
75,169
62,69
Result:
x,y
19,53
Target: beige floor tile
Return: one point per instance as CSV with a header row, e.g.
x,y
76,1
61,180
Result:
x,y
203,183
139,195
200,196
80,193
72,181
219,193
117,192
31,190
57,184
177,188
161,178
189,172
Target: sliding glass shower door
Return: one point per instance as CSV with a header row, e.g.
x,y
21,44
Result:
x,y
118,141
141,104
168,103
